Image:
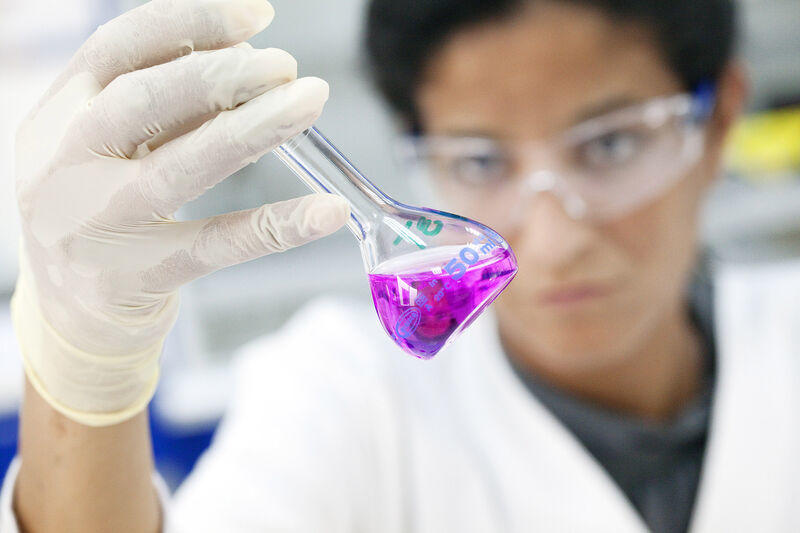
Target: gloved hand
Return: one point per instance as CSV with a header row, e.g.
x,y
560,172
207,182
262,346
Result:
x,y
133,129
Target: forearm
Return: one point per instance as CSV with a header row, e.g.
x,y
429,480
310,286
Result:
x,y
76,478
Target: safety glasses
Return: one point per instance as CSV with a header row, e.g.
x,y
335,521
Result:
x,y
600,169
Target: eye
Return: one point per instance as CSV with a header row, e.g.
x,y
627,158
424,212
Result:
x,y
478,168
612,149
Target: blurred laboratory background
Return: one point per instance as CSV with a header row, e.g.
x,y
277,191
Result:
x,y
753,215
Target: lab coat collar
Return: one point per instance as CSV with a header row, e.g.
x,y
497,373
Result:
x,y
566,488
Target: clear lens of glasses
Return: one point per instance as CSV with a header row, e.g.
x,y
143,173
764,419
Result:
x,y
599,169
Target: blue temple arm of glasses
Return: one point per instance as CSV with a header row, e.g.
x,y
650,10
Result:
x,y
704,98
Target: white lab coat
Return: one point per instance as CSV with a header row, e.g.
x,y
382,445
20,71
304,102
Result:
x,y
333,429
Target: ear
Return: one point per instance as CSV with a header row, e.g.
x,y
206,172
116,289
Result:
x,y
733,91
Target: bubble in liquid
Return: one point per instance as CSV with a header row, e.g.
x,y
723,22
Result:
x,y
423,308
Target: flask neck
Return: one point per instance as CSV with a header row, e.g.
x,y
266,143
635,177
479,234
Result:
x,y
322,167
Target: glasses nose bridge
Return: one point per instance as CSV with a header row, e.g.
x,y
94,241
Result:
x,y
547,179
541,168
540,180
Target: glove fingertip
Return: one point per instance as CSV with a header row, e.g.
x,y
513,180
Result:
x,y
244,18
312,93
327,213
262,12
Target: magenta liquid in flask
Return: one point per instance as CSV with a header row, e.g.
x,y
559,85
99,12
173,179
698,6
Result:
x,y
431,273
422,308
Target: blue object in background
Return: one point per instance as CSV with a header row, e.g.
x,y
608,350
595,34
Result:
x,y
9,424
175,451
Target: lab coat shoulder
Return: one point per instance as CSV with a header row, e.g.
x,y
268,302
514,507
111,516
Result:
x,y
313,418
752,466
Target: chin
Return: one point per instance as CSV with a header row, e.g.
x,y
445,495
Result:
x,y
574,341
578,353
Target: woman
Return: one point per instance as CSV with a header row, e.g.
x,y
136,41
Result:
x,y
599,395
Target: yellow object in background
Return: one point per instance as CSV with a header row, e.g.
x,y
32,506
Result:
x,y
766,146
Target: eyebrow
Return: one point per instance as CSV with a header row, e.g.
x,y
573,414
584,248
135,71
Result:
x,y
470,132
590,112
607,106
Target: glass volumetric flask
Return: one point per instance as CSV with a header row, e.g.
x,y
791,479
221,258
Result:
x,y
431,273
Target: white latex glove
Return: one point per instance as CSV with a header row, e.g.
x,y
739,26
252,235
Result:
x,y
124,137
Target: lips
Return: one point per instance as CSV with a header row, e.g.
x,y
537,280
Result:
x,y
574,293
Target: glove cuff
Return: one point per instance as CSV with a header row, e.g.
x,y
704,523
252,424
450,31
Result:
x,y
91,389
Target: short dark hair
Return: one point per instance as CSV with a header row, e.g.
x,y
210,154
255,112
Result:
x,y
696,36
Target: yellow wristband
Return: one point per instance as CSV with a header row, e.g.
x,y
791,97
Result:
x,y
90,389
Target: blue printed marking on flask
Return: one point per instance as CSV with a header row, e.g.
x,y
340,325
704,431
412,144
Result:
x,y
407,322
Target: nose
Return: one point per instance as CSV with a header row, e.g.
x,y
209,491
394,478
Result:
x,y
547,234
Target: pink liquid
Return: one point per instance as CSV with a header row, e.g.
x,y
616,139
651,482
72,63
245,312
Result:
x,y
423,308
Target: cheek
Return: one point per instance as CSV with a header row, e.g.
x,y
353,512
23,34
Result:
x,y
660,239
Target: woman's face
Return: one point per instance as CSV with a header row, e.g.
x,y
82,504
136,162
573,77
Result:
x,y
586,293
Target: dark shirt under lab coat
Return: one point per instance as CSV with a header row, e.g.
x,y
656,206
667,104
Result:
x,y
656,465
